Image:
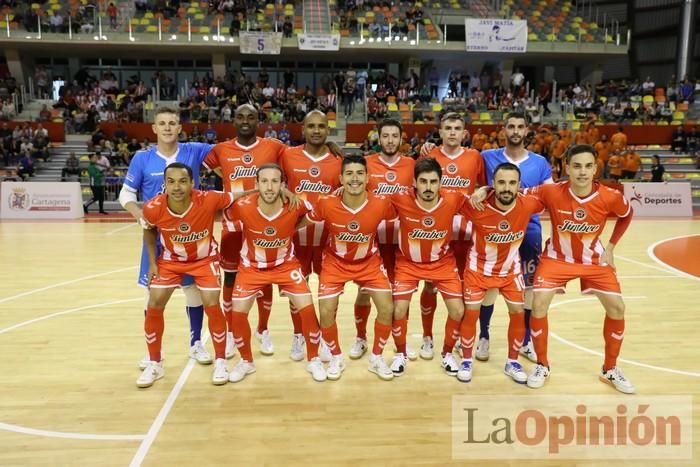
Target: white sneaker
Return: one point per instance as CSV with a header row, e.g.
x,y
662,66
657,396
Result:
x,y
616,379
324,352
450,364
266,347
358,348
426,349
538,376
220,375
240,371
143,363
515,371
230,346
411,352
317,370
528,351
335,367
297,351
153,372
399,364
482,350
199,353
378,366
464,374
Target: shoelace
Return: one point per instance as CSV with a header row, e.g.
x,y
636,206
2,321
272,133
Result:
x,y
618,374
540,370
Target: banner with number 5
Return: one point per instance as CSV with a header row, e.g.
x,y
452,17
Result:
x,y
260,43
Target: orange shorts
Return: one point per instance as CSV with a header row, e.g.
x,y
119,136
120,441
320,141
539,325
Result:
x,y
476,285
230,249
205,273
288,277
553,275
309,258
369,274
442,273
388,254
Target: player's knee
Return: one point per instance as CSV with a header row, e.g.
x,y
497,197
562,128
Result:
x,y
362,299
615,309
210,298
192,295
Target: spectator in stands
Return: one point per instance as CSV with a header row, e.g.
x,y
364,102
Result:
x,y
210,134
631,161
434,81
72,167
686,92
270,132
235,26
692,142
517,81
40,147
648,86
141,5
25,167
657,169
101,161
678,140
615,163
619,140
374,29
628,113
112,13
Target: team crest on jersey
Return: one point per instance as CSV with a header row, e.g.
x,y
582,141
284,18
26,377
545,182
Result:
x,y
184,227
503,226
390,176
270,231
579,214
247,158
452,169
428,221
353,226
314,171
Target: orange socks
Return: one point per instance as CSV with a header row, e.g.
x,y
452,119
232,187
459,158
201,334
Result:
x,y
539,332
311,330
467,330
154,325
381,336
217,329
451,335
516,334
398,330
428,304
264,308
330,336
296,319
613,333
361,317
227,305
241,333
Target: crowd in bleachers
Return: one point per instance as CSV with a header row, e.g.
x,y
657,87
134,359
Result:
x,y
23,147
378,18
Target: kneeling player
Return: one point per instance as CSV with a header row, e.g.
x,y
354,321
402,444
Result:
x,y
350,255
425,231
493,262
184,218
267,258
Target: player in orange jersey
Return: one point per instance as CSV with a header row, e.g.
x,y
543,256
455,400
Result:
x,y
351,254
184,218
578,210
237,162
479,139
494,263
426,216
462,170
619,140
311,171
389,172
267,257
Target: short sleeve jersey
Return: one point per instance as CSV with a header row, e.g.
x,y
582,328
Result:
x,y
187,236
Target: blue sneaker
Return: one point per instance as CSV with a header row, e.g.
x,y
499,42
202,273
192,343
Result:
x,y
515,371
465,371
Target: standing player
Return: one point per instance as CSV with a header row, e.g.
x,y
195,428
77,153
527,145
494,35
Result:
x,y
426,216
349,255
145,175
311,171
389,172
238,160
534,171
184,219
462,170
493,263
578,209
267,257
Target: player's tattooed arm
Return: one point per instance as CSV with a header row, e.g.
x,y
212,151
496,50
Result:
x,y
149,237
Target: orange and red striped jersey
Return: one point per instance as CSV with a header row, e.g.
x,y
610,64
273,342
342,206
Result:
x,y
497,235
187,236
267,240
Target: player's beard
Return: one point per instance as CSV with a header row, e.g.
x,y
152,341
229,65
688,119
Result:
x,y
390,154
508,201
517,142
427,196
270,197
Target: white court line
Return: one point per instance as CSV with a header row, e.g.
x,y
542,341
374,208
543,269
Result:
x,y
72,281
64,435
646,265
666,276
599,354
65,312
650,252
164,411
119,229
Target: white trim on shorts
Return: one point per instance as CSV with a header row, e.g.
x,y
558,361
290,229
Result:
x,y
592,290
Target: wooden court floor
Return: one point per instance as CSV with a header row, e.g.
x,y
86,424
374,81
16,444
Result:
x,y
71,336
